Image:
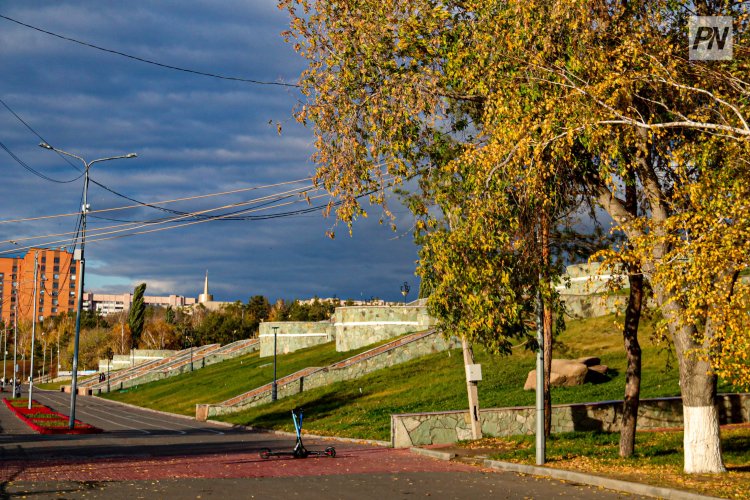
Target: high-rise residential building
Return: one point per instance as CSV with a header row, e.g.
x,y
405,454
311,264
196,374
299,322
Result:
x,y
56,284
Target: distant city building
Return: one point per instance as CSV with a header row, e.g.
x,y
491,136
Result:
x,y
342,302
104,303
205,296
207,300
56,284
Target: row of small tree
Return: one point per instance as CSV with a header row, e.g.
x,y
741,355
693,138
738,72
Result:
x,y
148,327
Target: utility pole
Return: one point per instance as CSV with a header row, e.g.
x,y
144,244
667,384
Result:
x,y
5,353
540,437
79,308
274,389
15,338
33,326
44,355
58,349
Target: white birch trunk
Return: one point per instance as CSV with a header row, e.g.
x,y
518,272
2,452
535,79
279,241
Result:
x,y
702,444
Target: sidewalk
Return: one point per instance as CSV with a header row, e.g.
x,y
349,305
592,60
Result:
x,y
480,458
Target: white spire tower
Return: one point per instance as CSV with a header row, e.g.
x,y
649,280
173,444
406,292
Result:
x,y
205,296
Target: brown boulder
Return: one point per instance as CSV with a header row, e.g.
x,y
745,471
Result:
x,y
556,380
597,374
573,371
565,373
589,361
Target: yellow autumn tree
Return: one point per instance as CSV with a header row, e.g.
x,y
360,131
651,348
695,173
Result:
x,y
599,95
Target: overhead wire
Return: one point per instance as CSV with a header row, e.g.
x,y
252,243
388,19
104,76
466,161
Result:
x,y
97,237
261,202
32,170
191,223
100,231
162,202
104,236
168,210
149,61
65,158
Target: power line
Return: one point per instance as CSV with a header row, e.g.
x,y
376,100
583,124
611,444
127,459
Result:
x,y
99,236
65,158
259,202
32,170
148,61
174,200
104,236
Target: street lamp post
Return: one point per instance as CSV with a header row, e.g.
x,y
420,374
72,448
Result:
x,y
274,392
405,290
15,337
190,339
5,353
33,327
110,355
82,260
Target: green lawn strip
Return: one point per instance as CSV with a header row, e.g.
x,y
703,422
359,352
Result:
x,y
658,458
52,386
361,408
221,381
41,415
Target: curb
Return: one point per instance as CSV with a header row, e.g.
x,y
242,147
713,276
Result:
x,y
440,455
603,482
577,477
373,442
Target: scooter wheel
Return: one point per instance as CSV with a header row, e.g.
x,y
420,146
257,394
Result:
x,y
265,453
331,452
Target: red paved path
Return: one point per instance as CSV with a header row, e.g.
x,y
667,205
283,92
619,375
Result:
x,y
235,465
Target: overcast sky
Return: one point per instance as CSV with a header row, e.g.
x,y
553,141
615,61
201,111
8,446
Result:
x,y
193,135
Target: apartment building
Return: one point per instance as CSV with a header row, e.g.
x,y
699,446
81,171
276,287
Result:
x,y
56,284
105,303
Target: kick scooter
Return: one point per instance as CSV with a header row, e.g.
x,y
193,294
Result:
x,y
299,450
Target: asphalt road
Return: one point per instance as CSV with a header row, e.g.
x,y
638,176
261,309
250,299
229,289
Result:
x,y
144,454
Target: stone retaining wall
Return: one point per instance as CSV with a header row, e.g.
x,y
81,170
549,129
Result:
x,y
592,306
293,335
358,326
419,429
136,357
198,363
325,376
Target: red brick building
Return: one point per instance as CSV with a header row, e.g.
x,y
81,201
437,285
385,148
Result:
x,y
56,284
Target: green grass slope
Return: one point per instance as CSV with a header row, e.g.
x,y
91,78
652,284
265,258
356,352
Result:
x,y
221,381
361,408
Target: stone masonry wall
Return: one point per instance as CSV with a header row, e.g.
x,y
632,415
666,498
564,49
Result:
x,y
293,335
358,326
208,359
324,376
136,357
418,429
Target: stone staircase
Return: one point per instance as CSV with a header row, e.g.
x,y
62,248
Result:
x,y
181,362
398,351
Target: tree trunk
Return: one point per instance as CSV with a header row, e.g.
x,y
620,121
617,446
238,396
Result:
x,y
633,372
698,384
702,440
629,422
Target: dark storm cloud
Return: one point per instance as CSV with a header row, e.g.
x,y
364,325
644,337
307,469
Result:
x,y
193,135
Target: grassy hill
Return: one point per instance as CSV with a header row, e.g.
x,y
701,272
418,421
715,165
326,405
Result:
x,y
361,408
